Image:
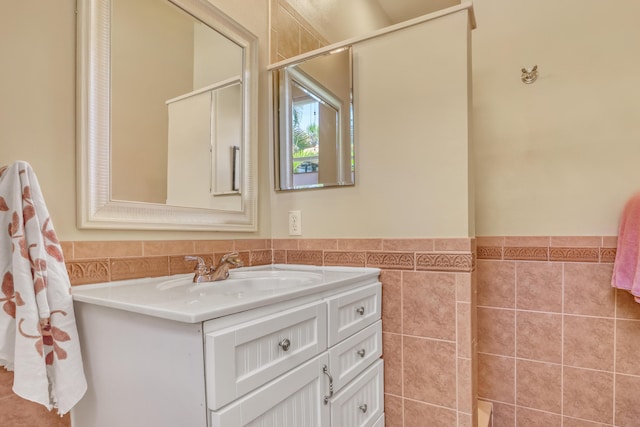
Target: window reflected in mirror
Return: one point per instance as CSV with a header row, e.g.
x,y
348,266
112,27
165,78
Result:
x,y
313,122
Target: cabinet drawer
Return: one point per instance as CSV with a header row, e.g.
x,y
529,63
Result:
x,y
351,356
361,402
294,399
243,357
352,311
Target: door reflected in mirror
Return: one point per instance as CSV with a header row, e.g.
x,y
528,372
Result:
x,y
314,122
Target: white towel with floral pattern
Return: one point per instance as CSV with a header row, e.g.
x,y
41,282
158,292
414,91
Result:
x,y
38,335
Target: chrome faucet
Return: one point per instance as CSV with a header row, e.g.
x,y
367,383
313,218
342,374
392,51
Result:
x,y
214,274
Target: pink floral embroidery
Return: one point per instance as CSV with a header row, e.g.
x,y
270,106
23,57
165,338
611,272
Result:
x,y
48,339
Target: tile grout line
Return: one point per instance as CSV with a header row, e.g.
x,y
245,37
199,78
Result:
x,y
515,342
562,348
615,353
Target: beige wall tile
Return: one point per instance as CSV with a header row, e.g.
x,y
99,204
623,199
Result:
x,y
628,347
67,250
627,407
393,411
588,394
576,241
531,417
288,34
527,241
465,329
304,257
466,398
496,331
588,342
539,286
391,301
418,414
504,415
285,243
539,336
496,283
458,244
168,247
407,244
178,265
539,386
627,307
318,244
211,246
429,305
573,422
497,241
250,244
392,355
108,249
587,289
429,371
360,244
25,413
496,376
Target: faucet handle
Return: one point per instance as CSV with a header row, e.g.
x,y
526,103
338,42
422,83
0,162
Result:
x,y
232,258
200,266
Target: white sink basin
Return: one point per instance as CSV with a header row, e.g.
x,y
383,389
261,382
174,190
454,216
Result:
x,y
247,281
178,298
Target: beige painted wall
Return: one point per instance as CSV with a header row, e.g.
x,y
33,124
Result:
x,y
411,115
560,156
37,107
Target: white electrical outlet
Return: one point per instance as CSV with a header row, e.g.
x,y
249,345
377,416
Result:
x,y
295,223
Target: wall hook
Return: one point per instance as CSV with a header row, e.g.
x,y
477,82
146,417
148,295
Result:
x,y
529,75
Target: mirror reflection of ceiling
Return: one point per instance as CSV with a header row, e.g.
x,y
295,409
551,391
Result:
x,y
338,20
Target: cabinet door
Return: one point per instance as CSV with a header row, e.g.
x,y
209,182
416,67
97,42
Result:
x,y
361,402
294,399
352,311
243,357
353,355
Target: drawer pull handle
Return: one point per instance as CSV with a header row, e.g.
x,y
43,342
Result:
x,y
285,344
360,310
362,352
325,370
364,408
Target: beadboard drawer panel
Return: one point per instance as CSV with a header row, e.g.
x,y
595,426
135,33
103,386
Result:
x,y
294,399
241,358
352,311
361,402
351,356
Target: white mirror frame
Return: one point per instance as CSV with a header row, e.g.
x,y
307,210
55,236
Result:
x,y
96,209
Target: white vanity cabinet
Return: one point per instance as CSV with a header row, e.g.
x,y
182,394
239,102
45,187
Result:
x,y
309,361
341,386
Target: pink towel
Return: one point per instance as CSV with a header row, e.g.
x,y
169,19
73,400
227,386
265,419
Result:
x,y
626,269
38,336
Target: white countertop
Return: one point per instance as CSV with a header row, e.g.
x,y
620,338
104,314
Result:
x,y
177,298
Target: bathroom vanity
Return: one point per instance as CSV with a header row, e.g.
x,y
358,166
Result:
x,y
277,345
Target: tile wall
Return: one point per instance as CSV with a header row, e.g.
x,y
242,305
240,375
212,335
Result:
x,y
291,34
557,346
428,307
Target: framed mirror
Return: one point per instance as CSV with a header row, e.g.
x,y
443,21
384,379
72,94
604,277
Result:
x,y
167,114
313,122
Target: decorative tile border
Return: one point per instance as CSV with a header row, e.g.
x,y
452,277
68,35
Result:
x,y
442,261
560,249
93,271
114,260
391,260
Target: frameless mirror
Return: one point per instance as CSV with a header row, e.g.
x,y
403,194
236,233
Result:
x,y
167,113
313,122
